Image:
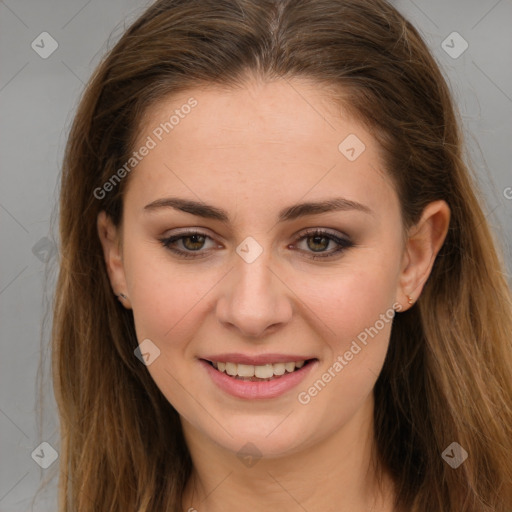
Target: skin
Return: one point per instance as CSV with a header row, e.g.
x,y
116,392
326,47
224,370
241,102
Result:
x,y
252,151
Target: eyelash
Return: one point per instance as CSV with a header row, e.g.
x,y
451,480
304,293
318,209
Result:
x,y
342,243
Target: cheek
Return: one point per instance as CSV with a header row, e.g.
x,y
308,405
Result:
x,y
354,311
167,299
158,292
356,315
351,300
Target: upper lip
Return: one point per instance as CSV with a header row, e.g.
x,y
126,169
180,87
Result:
x,y
256,360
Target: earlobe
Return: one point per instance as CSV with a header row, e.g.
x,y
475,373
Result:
x,y
112,251
424,242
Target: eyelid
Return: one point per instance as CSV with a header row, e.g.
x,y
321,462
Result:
x,y
187,232
344,242
324,231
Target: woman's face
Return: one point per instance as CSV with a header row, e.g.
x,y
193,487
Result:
x,y
243,287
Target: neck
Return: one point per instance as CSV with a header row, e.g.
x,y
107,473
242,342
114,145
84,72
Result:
x,y
336,473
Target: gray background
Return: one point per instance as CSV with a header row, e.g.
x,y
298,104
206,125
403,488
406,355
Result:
x,y
37,100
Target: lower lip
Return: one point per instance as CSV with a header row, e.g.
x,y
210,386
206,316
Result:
x,y
258,390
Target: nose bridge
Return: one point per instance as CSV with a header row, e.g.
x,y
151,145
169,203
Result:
x,y
254,299
254,276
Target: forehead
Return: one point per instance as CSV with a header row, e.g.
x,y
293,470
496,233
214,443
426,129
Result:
x,y
288,137
282,111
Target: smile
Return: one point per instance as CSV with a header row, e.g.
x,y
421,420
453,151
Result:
x,y
255,373
258,381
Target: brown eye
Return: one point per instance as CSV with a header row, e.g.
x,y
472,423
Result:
x,y
317,241
197,242
192,242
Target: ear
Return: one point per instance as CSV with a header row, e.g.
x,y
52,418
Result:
x,y
424,240
110,238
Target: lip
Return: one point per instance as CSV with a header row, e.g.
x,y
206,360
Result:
x,y
258,390
258,360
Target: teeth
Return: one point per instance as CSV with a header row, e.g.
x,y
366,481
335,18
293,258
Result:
x,y
265,371
279,368
289,367
245,370
231,369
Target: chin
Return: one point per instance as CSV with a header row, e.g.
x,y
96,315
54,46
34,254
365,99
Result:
x,y
262,435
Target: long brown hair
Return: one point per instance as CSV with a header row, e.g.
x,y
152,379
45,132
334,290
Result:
x,y
446,377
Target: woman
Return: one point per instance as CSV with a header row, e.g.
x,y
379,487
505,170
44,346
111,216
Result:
x,y
277,289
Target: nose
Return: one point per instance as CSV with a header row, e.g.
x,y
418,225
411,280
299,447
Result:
x,y
254,299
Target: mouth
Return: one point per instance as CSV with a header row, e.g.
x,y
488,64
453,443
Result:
x,y
259,373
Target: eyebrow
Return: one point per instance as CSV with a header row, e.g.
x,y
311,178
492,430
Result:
x,y
289,213
329,205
